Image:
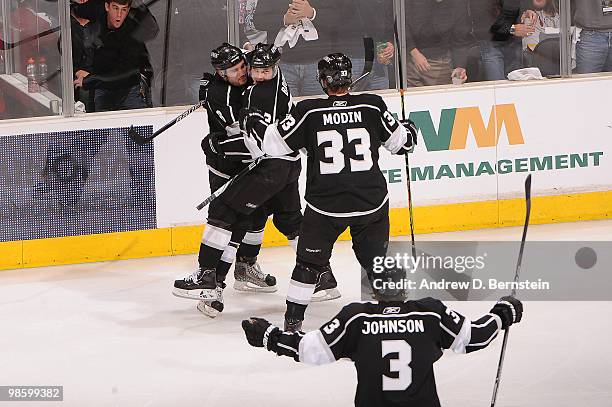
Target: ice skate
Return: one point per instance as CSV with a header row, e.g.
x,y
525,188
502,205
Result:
x,y
200,285
214,307
249,277
293,325
326,286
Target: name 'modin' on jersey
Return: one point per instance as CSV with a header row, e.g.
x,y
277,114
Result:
x,y
342,136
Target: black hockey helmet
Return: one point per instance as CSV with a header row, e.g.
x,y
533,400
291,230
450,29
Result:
x,y
264,56
389,284
225,56
335,70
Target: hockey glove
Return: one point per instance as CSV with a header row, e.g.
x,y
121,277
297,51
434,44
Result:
x,y
249,117
509,309
258,332
412,133
210,146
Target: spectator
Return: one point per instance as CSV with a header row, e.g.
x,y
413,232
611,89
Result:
x,y
121,73
546,22
379,14
594,48
76,153
83,33
498,27
438,38
310,29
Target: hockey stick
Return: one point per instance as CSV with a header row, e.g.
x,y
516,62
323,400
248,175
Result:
x,y
368,47
9,45
516,279
401,80
140,140
235,178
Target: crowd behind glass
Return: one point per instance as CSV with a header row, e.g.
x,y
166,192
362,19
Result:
x,y
129,55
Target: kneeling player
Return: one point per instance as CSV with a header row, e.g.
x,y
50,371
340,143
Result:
x,y
393,343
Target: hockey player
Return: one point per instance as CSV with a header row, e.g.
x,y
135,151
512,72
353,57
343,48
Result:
x,y
393,343
345,187
223,95
273,184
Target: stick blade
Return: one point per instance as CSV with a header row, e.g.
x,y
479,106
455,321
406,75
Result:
x,y
368,51
528,187
136,137
368,47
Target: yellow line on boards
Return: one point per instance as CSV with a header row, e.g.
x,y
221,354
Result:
x,y
186,239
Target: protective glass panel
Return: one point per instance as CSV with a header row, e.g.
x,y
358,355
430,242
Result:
x,y
193,29
592,36
309,30
30,80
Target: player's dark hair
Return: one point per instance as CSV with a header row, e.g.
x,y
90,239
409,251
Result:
x,y
120,2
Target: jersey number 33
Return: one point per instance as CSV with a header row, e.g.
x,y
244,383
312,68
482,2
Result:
x,y
335,150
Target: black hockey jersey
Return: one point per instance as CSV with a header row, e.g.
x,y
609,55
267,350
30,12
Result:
x,y
273,98
393,345
223,104
342,136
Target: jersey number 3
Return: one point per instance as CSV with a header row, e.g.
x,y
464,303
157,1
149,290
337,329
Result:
x,y
362,149
399,365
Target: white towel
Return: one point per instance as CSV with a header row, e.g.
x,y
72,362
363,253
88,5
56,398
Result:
x,y
525,74
292,33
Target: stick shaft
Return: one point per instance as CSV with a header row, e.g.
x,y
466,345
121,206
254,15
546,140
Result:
x,y
499,366
407,160
516,279
235,178
178,118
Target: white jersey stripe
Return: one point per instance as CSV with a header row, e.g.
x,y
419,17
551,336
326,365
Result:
x,y
451,333
238,153
276,97
229,106
463,338
385,126
491,319
218,173
348,214
281,345
485,342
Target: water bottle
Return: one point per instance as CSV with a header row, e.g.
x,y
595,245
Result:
x,y
43,71
31,74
